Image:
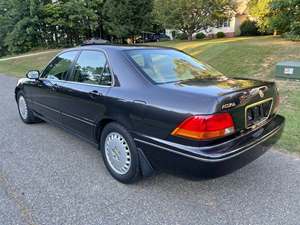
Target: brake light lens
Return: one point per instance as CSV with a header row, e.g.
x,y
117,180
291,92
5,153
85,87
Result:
x,y
205,127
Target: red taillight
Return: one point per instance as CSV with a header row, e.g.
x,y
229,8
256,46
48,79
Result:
x,y
204,127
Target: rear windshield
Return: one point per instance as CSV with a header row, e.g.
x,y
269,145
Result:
x,y
167,65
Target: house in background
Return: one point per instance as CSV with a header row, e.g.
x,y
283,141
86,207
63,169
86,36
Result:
x,y
230,27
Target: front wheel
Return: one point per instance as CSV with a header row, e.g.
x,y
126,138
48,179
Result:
x,y
25,112
120,154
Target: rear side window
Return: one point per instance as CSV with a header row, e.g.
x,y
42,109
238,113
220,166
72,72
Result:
x,y
92,68
59,67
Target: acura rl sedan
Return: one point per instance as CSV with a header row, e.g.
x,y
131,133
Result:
x,y
150,108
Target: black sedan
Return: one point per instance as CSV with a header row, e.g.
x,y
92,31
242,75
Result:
x,y
149,108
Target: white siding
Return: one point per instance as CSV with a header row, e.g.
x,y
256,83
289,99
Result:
x,y
230,29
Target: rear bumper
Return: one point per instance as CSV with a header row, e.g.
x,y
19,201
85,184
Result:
x,y
213,160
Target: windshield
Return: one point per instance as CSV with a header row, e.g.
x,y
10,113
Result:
x,y
167,65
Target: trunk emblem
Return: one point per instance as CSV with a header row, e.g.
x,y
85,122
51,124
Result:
x,y
229,105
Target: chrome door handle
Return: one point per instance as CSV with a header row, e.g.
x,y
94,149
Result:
x,y
94,93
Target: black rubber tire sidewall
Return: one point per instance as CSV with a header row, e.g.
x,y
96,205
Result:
x,y
134,172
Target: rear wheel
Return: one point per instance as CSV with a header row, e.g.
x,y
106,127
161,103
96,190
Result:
x,y
119,153
25,112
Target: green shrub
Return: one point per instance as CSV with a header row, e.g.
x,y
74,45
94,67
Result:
x,y
295,28
249,28
292,37
220,34
200,35
294,34
181,36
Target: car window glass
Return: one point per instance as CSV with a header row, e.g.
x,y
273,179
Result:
x,y
164,66
139,59
91,68
59,67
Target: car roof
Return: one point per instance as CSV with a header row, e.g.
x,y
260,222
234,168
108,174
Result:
x,y
118,47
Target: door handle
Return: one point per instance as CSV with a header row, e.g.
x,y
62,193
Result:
x,y
94,94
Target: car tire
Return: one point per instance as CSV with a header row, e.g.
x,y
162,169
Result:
x,y
120,154
25,112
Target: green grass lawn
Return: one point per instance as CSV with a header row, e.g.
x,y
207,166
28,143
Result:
x,y
251,57
18,67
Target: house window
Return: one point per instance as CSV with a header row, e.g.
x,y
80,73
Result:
x,y
223,23
226,23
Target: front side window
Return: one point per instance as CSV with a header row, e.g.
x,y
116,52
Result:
x,y
59,67
166,65
92,68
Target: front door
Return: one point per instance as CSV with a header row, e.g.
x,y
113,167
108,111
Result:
x,y
46,96
84,94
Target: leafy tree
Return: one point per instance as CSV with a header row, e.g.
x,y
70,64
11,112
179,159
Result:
x,y
192,16
25,24
69,25
97,6
277,15
19,39
52,18
260,10
285,16
6,25
78,21
31,23
127,18
21,34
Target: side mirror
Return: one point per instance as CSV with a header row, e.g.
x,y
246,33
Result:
x,y
33,74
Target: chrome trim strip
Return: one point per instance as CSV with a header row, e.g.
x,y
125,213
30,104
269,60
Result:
x,y
77,83
219,158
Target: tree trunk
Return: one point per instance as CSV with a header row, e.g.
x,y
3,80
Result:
x,y
190,36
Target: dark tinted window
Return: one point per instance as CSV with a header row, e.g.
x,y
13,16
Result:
x,y
166,65
91,68
59,67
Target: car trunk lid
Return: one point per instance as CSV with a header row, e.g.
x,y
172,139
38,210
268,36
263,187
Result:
x,y
250,102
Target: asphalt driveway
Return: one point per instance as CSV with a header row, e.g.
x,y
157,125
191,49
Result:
x,y
48,176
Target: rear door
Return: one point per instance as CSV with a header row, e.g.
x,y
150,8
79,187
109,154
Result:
x,y
84,94
46,95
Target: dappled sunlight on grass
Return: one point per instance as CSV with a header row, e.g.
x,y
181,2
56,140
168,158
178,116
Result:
x,y
186,45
